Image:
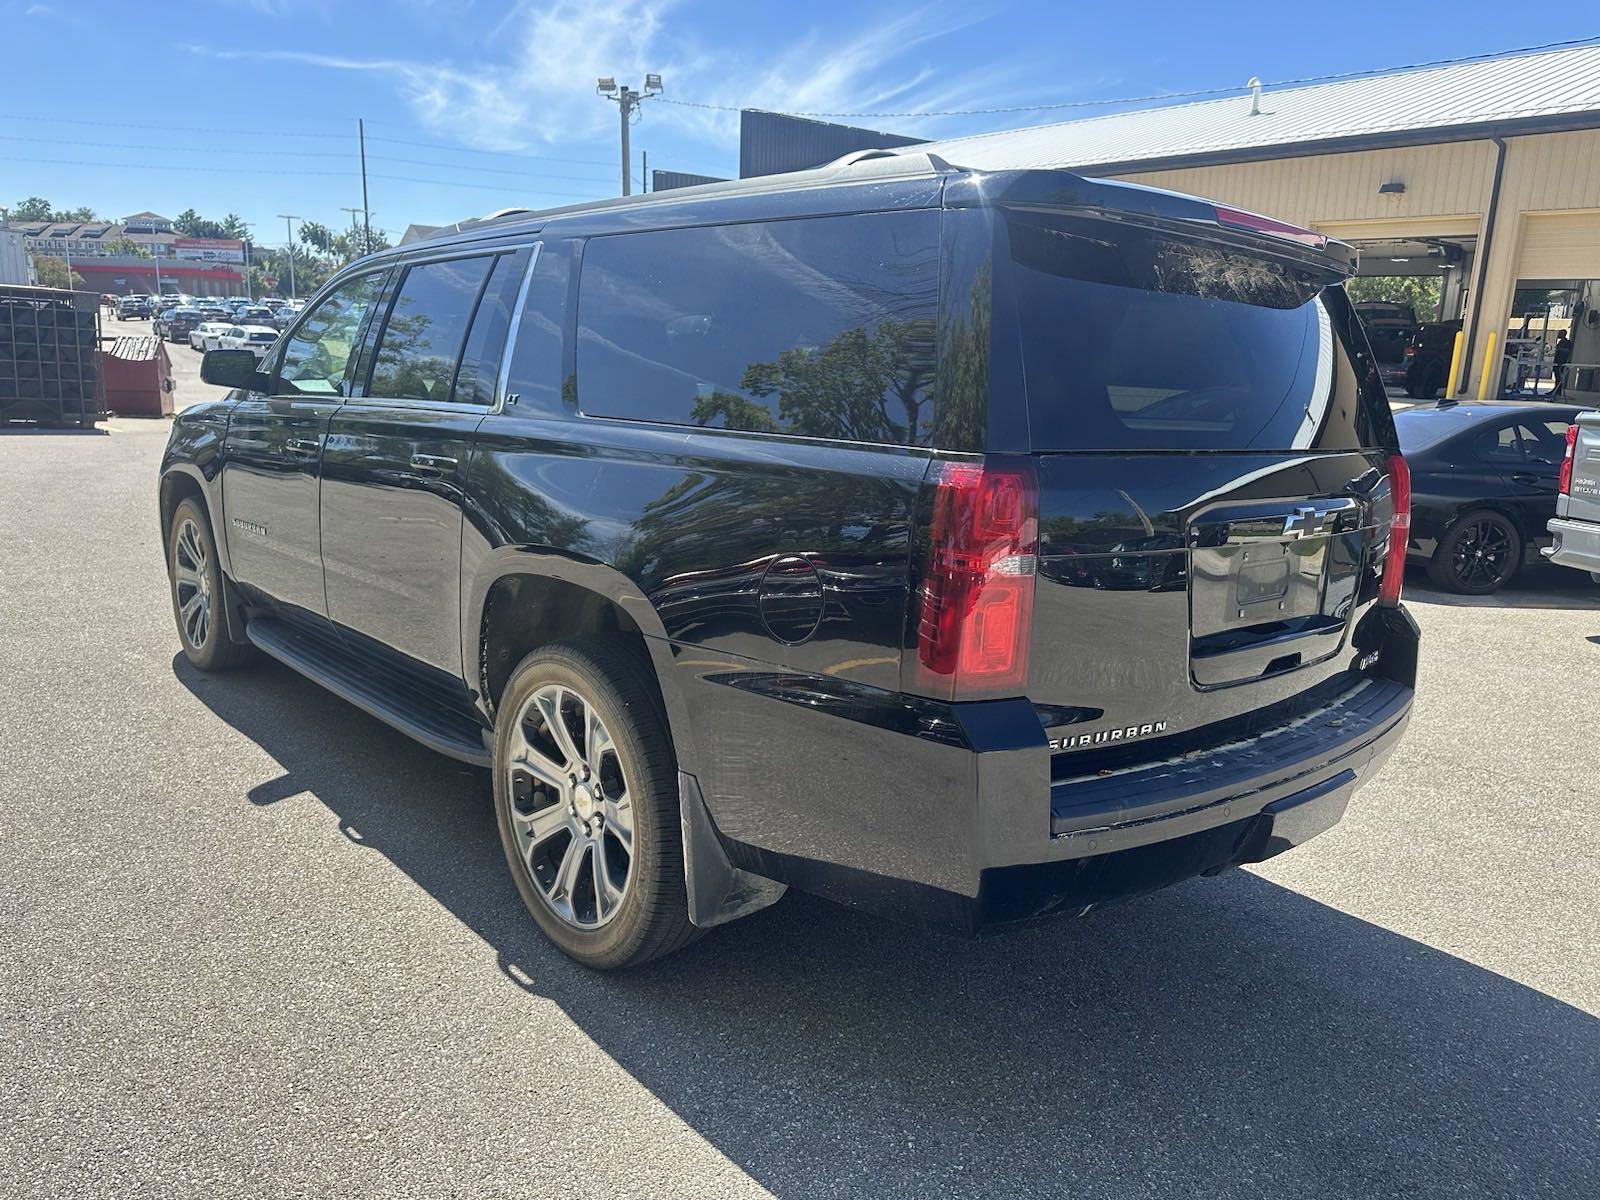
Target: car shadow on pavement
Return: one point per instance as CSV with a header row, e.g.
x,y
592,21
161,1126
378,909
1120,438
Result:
x,y
1228,1037
1539,585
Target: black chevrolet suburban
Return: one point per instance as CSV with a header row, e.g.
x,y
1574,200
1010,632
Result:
x,y
966,547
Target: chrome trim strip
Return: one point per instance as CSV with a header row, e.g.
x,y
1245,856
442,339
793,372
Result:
x,y
504,378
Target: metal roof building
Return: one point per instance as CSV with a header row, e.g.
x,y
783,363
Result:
x,y
1529,93
1484,174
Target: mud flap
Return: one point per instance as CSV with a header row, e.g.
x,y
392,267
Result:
x,y
719,892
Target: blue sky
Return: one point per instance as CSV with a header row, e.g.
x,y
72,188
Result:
x,y
250,105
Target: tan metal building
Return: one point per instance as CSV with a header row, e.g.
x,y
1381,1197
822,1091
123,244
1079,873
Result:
x,y
1484,173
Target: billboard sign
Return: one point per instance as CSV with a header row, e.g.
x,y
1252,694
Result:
x,y
214,250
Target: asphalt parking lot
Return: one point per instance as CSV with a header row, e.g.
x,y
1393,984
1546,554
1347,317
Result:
x,y
256,944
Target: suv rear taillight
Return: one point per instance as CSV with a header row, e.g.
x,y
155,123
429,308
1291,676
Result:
x,y
1564,480
1394,562
975,606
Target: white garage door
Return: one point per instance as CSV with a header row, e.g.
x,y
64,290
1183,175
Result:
x,y
1566,246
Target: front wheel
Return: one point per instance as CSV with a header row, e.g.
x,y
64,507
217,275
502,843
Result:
x,y
586,798
1479,555
195,577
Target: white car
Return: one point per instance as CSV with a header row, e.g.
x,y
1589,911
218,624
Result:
x,y
208,334
258,338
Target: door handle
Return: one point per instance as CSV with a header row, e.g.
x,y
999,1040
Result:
x,y
304,447
1524,478
434,464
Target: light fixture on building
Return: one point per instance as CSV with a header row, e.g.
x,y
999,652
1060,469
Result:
x,y
1393,188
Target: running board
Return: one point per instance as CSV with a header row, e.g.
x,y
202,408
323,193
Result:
x,y
348,678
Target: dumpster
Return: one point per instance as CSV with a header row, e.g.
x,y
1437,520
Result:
x,y
50,357
138,377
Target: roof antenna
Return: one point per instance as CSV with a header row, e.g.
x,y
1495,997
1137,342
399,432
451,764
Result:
x,y
1255,95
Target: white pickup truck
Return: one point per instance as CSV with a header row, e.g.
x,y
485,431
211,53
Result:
x,y
1576,525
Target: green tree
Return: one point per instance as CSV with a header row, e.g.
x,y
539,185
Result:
x,y
52,272
124,245
37,208
233,226
1421,292
191,224
34,208
317,235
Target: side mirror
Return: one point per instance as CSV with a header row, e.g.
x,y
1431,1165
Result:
x,y
232,369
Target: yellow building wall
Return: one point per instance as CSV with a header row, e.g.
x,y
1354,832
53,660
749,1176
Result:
x,y
1447,192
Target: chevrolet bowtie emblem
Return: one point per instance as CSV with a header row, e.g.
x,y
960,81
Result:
x,y
1307,521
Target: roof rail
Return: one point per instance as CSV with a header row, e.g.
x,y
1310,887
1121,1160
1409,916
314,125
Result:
x,y
857,156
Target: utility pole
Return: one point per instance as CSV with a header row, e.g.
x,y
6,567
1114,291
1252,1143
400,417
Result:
x,y
644,170
366,211
248,290
288,219
628,102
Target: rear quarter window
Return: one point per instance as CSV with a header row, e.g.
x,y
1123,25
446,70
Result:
x,y
818,327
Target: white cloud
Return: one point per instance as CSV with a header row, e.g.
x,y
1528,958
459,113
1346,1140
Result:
x,y
537,86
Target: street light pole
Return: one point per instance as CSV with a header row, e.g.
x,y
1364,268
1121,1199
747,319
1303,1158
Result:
x,y
289,229
628,102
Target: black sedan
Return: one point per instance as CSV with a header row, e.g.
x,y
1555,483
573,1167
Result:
x,y
1483,485
175,324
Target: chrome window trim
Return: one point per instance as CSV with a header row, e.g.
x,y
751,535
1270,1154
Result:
x,y
503,379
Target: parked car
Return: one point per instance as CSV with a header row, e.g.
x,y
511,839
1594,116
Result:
x,y
272,302
1575,529
286,316
208,335
133,308
176,324
727,606
1390,325
253,314
1484,479
256,338
1427,359
211,311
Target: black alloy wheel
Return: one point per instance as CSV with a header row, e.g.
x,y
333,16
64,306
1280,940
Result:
x,y
1478,556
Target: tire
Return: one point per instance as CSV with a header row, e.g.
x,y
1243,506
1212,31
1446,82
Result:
x,y
194,579
1427,385
560,830
1480,554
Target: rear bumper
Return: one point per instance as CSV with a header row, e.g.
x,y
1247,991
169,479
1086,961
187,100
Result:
x,y
950,818
1143,828
1576,544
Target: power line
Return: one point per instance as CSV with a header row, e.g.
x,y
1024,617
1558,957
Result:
x,y
586,162
7,137
337,154
1155,96
141,166
165,128
419,162
503,188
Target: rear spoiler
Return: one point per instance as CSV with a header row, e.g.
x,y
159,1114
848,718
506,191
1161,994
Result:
x,y
1190,216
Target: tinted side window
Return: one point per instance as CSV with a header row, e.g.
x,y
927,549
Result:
x,y
314,359
535,375
480,363
427,325
1498,445
821,327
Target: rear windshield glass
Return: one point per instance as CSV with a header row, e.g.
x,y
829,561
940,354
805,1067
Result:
x,y
1132,340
